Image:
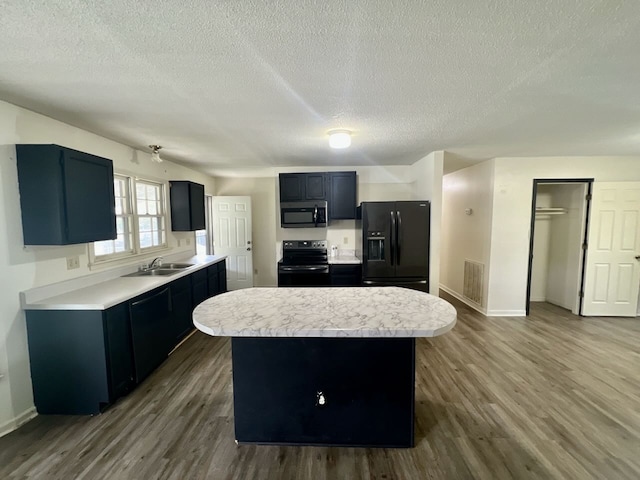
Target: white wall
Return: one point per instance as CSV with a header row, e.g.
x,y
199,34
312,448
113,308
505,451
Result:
x,y
377,183
426,176
466,236
24,268
513,189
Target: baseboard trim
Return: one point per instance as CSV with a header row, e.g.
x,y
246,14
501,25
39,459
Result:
x,y
14,424
506,313
464,300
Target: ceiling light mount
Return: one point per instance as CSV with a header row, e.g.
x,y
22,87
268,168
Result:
x,y
339,138
155,153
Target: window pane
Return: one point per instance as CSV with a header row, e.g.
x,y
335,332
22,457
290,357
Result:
x,y
152,208
140,191
151,192
145,224
119,225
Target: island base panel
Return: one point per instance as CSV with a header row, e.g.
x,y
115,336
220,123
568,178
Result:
x,y
324,391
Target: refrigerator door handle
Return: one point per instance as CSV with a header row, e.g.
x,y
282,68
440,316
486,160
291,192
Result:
x,y
393,239
398,237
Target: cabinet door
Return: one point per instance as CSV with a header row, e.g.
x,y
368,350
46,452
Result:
x,y
213,282
119,355
182,307
150,331
315,184
89,197
222,276
343,195
196,201
292,187
346,275
200,287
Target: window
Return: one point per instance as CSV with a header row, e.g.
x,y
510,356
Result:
x,y
139,229
150,212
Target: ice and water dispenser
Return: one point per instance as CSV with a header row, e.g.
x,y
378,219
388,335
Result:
x,y
376,246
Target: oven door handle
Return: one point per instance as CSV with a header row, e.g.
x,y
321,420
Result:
x,y
315,215
320,268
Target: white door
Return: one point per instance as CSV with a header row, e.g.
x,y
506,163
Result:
x,y
232,237
612,273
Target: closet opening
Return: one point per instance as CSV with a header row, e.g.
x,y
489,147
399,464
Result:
x,y
557,243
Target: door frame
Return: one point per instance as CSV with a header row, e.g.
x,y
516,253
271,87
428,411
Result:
x,y
532,228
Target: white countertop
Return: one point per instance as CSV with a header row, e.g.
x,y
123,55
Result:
x,y
103,295
325,312
344,260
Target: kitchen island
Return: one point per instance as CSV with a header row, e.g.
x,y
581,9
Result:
x,y
324,366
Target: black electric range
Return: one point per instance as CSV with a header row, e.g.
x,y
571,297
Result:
x,y
304,264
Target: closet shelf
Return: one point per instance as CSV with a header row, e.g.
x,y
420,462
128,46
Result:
x,y
550,211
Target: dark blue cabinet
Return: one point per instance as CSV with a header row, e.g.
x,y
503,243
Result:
x,y
342,199
81,360
187,206
182,307
66,196
296,187
346,275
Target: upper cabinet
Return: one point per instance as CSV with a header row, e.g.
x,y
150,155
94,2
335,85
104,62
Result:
x,y
299,187
339,189
343,199
187,206
66,196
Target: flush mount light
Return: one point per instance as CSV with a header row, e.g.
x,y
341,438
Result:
x,y
155,153
339,138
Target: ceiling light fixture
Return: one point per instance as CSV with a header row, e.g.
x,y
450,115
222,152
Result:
x,y
155,153
339,138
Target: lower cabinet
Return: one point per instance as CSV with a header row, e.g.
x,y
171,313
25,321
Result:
x,y
217,278
346,275
80,360
84,360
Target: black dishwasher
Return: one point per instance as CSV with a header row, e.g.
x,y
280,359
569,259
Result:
x,y
150,331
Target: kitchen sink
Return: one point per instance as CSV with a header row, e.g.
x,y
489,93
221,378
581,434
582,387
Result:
x,y
155,272
178,266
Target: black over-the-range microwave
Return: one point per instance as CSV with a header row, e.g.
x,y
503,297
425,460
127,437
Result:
x,y
303,214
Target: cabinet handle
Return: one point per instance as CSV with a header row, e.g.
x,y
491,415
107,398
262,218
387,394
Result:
x,y
320,399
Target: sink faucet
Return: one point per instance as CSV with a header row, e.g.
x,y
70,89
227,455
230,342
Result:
x,y
156,262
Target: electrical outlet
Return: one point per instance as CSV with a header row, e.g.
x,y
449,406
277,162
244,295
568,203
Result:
x,y
188,241
73,262
345,240
178,242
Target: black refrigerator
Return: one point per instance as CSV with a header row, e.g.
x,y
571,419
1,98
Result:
x,y
395,244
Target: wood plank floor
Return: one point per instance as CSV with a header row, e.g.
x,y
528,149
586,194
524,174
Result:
x,y
550,396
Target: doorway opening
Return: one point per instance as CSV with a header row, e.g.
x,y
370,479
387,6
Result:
x,y
558,239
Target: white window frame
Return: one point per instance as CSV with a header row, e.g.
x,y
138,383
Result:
x,y
134,218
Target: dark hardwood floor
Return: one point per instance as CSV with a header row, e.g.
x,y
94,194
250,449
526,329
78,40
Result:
x,y
550,396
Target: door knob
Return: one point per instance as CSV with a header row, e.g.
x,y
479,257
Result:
x,y
248,242
249,249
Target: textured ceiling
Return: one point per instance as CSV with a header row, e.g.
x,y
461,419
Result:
x,y
239,84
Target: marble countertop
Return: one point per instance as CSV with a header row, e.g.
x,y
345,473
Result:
x,y
325,312
105,294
